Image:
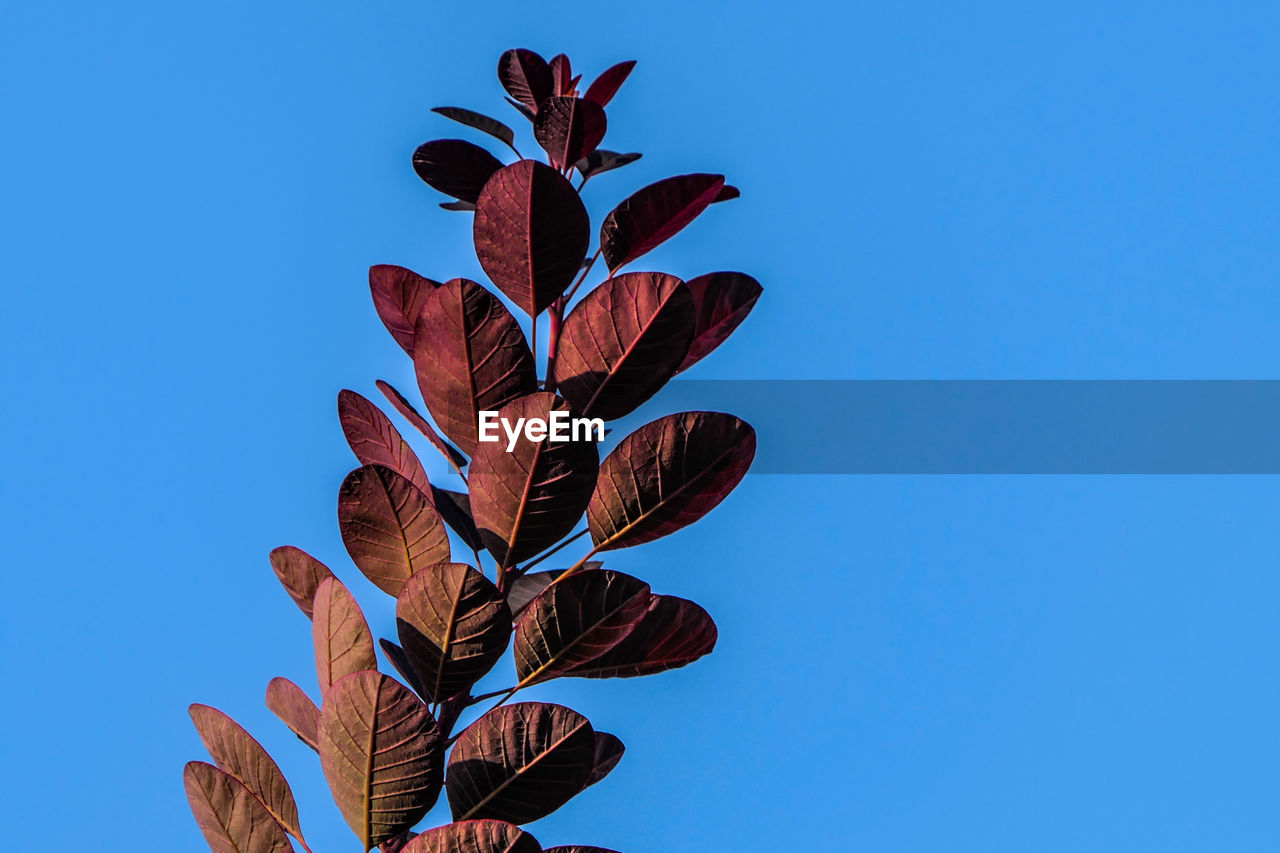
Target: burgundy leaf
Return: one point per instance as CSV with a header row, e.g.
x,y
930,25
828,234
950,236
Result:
x,y
523,110
460,206
653,214
622,343
375,441
398,294
525,588
668,474
343,642
470,356
520,762
674,632
400,661
529,497
475,836
727,193
569,129
236,752
609,750
604,87
455,509
455,167
722,300
232,819
409,413
531,233
300,574
381,754
389,526
561,75
480,122
453,625
575,621
602,160
526,76
295,709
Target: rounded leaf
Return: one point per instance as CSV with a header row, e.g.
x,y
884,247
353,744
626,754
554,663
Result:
x,y
479,121
475,836
604,87
406,409
653,214
601,160
300,574
569,129
375,440
721,301
341,636
389,526
398,294
526,76
232,819
295,709
609,751
674,632
455,167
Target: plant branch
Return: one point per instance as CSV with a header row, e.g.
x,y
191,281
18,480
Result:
x,y
575,537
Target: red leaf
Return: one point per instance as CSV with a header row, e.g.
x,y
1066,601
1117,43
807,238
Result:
x,y
375,441
389,526
295,709
475,836
300,574
398,294
531,233
653,214
455,509
232,819
481,122
409,413
343,642
609,751
455,167
569,129
604,87
526,77
722,300
727,193
602,160
622,343
674,632
561,75
470,356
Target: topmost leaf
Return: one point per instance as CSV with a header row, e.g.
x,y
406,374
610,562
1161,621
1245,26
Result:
x,y
653,214
479,121
607,84
526,76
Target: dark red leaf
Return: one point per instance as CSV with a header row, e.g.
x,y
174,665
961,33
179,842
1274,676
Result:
x,y
721,300
622,343
526,76
295,709
602,160
475,836
389,526
525,588
398,294
520,762
727,193
604,87
455,167
480,122
609,750
409,413
453,625
381,754
673,632
523,110
531,233
400,661
300,574
526,498
375,440
343,642
668,474
561,75
470,356
232,819
653,214
569,129
455,509
460,206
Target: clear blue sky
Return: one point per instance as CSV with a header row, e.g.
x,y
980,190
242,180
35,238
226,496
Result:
x,y
194,193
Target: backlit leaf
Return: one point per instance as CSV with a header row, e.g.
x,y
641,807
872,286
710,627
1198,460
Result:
x,y
604,87
475,836
609,751
470,356
481,122
576,621
375,440
522,109
455,167
655,213
622,343
381,754
343,642
526,76
300,574
561,74
520,762
389,526
232,819
531,233
674,632
721,300
455,509
569,129
409,413
295,709
602,160
453,625
727,193
400,662
398,294
527,499
668,474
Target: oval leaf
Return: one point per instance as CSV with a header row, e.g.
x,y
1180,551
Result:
x,y
398,294
295,709
622,343
526,76
400,661
666,475
491,126
721,301
609,751
343,641
455,509
531,233
235,751
300,574
561,74
576,621
653,214
455,167
601,160
520,762
523,590
409,413
375,440
569,129
674,632
604,87
471,356
475,836
381,754
389,526
230,816
529,497
453,625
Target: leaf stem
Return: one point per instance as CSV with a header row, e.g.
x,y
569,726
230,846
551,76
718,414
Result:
x,y
529,565
574,288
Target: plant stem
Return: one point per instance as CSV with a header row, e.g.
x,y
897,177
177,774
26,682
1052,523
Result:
x,y
553,343
529,565
506,694
574,288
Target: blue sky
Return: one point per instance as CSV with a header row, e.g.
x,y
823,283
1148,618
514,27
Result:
x,y
193,196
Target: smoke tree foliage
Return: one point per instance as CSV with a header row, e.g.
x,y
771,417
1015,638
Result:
x,y
389,747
